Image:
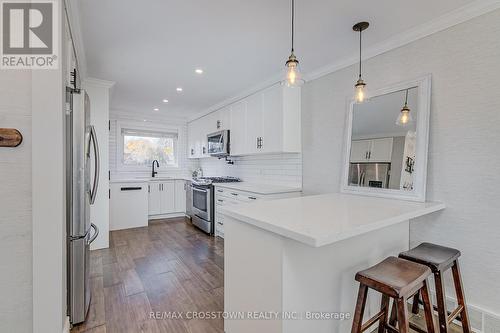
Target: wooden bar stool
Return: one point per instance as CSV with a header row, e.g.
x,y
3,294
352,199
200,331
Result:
x,y
398,279
439,259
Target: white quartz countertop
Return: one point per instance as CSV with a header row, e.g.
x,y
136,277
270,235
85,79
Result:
x,y
259,188
146,180
321,220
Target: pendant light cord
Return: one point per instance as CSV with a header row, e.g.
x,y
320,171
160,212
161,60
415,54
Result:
x,y
293,22
406,99
360,32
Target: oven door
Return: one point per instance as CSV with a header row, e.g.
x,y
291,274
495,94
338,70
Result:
x,y
201,202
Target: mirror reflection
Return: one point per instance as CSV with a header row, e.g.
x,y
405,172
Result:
x,y
383,141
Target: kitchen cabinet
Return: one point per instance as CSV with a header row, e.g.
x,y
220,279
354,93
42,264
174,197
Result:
x,y
375,150
265,122
227,196
271,123
254,124
162,197
167,197
238,128
180,196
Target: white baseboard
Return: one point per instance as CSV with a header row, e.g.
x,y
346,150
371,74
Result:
x,y
166,216
67,326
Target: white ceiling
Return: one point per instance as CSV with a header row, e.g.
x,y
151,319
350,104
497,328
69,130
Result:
x,y
377,117
150,47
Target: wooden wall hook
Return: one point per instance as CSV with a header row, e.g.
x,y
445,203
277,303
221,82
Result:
x,y
10,137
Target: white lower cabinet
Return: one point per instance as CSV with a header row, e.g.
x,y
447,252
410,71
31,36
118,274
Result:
x,y
226,196
167,197
180,196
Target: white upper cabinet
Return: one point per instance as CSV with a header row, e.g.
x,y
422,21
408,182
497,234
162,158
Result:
x,y
265,122
238,128
381,150
254,125
375,150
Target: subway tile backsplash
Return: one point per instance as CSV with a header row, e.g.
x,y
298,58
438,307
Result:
x,y
277,169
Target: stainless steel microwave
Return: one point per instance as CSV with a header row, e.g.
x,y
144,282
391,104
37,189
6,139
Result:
x,y
218,143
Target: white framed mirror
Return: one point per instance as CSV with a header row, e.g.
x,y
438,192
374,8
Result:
x,y
386,144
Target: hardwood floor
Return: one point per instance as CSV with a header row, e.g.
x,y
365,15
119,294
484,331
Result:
x,y
167,267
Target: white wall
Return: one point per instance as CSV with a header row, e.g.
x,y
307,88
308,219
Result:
x,y
98,91
278,169
186,166
16,311
464,138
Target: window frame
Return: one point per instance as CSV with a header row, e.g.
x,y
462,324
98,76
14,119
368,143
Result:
x,y
146,128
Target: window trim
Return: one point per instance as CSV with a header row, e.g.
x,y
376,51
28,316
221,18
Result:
x,y
143,127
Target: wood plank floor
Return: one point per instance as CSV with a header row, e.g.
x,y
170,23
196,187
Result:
x,y
167,267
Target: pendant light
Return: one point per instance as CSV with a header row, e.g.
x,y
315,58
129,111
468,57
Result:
x,y
293,77
360,92
404,117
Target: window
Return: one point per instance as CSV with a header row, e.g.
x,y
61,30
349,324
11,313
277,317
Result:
x,y
142,147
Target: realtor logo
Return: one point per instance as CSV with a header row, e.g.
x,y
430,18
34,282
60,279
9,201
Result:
x,y
29,35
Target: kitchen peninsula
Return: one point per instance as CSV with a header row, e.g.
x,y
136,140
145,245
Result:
x,y
297,257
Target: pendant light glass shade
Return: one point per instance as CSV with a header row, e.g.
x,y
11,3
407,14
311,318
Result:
x,y
359,91
293,77
360,86
405,117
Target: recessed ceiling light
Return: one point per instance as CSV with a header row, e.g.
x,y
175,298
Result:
x,y
179,89
156,109
165,101
144,120
199,71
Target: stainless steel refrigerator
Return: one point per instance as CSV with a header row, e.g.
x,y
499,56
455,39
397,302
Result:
x,y
369,174
82,159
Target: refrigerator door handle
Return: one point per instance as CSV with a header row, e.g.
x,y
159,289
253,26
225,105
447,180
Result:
x,y
96,233
97,163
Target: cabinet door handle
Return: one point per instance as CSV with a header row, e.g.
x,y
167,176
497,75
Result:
x,y
220,200
252,198
220,223
235,194
257,143
149,188
218,124
220,191
369,155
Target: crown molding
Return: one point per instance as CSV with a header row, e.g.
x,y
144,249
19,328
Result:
x,y
459,15
98,82
73,19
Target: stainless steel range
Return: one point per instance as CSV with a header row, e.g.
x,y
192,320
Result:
x,y
203,205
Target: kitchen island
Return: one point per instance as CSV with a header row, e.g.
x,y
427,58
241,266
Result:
x,y
290,263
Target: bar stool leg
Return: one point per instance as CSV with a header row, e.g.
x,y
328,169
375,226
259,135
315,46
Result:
x,y
403,322
428,308
464,316
441,303
416,300
383,320
360,309
393,317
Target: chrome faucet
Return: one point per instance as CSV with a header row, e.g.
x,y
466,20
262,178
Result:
x,y
154,173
